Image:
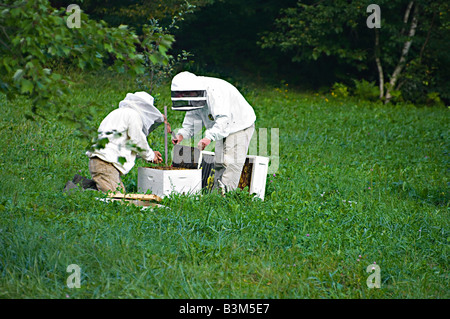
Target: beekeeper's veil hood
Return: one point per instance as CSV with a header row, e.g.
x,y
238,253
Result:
x,y
142,102
188,92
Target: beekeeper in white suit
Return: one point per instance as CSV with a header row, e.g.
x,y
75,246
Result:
x,y
126,128
228,118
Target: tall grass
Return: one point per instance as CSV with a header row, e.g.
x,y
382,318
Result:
x,y
358,183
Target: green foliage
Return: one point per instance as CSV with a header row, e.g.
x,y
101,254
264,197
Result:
x,y
362,90
320,30
396,95
365,90
339,90
420,82
35,37
160,66
311,30
433,99
136,13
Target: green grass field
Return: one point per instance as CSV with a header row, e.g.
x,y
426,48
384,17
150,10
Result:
x,y
358,183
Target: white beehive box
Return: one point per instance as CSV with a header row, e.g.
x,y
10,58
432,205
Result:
x,y
165,182
259,175
259,167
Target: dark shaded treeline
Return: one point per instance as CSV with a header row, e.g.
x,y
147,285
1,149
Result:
x,y
224,37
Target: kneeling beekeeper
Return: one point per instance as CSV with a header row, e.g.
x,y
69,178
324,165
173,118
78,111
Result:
x,y
228,118
126,129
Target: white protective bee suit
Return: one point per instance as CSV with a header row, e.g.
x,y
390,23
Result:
x,y
228,118
126,128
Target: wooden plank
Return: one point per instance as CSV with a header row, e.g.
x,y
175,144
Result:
x,y
136,202
136,196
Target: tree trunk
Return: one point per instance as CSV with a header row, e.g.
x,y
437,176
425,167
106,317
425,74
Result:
x,y
406,16
401,63
378,62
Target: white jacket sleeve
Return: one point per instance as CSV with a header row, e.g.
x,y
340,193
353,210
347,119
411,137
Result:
x,y
192,124
139,140
220,129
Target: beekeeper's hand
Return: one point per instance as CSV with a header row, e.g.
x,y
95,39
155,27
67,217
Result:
x,y
203,143
158,157
169,129
178,139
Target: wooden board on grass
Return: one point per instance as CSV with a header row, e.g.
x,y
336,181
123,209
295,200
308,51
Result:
x,y
142,197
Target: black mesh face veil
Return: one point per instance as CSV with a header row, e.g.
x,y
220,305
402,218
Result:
x,y
188,100
187,105
188,94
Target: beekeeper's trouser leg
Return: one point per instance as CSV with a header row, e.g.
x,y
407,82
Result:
x,y
230,156
105,175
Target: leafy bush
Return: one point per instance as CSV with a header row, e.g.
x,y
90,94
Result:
x,y
433,99
367,91
35,36
339,90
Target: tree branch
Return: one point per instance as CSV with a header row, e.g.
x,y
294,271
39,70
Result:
x,y
5,45
428,37
7,37
401,62
406,16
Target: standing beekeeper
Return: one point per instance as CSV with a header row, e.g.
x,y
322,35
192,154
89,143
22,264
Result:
x,y
126,129
228,118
